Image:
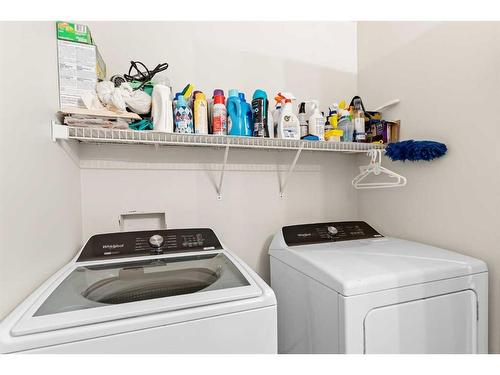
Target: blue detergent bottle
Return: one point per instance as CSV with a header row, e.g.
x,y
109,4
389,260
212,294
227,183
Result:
x,y
246,114
235,124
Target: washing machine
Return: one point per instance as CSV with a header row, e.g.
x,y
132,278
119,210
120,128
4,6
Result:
x,y
342,287
165,291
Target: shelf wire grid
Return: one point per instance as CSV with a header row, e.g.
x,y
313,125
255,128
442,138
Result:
x,y
126,136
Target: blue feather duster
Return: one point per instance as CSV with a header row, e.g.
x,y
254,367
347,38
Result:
x,y
415,150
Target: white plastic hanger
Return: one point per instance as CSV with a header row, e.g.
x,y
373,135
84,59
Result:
x,y
376,168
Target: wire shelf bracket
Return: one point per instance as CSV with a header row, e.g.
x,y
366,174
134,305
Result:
x,y
290,171
58,131
221,178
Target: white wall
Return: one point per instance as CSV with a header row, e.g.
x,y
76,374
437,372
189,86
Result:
x,y
297,57
446,75
40,218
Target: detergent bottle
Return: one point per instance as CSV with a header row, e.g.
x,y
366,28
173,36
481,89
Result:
x,y
235,120
260,112
219,113
288,124
247,115
161,109
316,122
200,109
183,117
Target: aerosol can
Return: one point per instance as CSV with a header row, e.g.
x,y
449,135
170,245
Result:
x,y
288,124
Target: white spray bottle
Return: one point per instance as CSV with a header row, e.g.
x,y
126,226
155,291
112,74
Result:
x,y
316,121
277,112
288,123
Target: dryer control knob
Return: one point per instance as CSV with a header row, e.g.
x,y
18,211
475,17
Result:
x,y
156,241
332,230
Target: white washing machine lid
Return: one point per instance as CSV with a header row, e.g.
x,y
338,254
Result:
x,y
375,263
98,291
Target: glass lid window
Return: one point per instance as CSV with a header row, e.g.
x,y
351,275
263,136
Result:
x,y
112,284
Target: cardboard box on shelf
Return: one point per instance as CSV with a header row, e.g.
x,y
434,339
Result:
x,y
394,129
80,65
77,64
73,32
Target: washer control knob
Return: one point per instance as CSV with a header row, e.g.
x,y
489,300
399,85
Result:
x,y
156,241
332,230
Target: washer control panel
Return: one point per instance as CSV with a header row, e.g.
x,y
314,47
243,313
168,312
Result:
x,y
129,244
305,234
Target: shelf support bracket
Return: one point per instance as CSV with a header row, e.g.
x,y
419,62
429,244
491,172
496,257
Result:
x,y
58,131
221,179
290,171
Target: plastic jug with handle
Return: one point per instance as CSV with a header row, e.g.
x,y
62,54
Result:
x,y
235,124
246,114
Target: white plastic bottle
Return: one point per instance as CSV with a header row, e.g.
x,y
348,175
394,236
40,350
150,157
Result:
x,y
161,109
270,123
288,124
317,122
275,118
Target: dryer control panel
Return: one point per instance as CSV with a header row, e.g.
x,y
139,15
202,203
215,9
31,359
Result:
x,y
142,243
296,235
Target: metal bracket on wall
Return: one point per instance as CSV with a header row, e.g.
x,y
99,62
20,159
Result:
x,y
221,179
292,167
58,131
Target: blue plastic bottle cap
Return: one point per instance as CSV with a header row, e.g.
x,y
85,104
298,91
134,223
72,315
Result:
x,y
233,92
242,96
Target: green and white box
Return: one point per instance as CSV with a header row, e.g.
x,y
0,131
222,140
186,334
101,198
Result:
x,y
73,32
77,72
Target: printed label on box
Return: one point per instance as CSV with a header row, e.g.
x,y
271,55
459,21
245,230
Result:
x,y
77,72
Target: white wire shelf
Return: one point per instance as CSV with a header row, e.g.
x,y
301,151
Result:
x,y
125,136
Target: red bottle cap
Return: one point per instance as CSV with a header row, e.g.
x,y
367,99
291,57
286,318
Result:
x,y
219,99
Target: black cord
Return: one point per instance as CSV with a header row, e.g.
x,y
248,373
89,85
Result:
x,y
142,76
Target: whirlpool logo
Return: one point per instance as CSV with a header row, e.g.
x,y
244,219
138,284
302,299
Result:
x,y
113,246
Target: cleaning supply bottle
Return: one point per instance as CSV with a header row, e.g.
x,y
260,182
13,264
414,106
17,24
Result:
x,y
277,113
304,127
183,117
200,109
288,124
191,102
316,122
260,112
174,102
247,116
235,115
219,113
346,125
161,109
270,124
359,122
